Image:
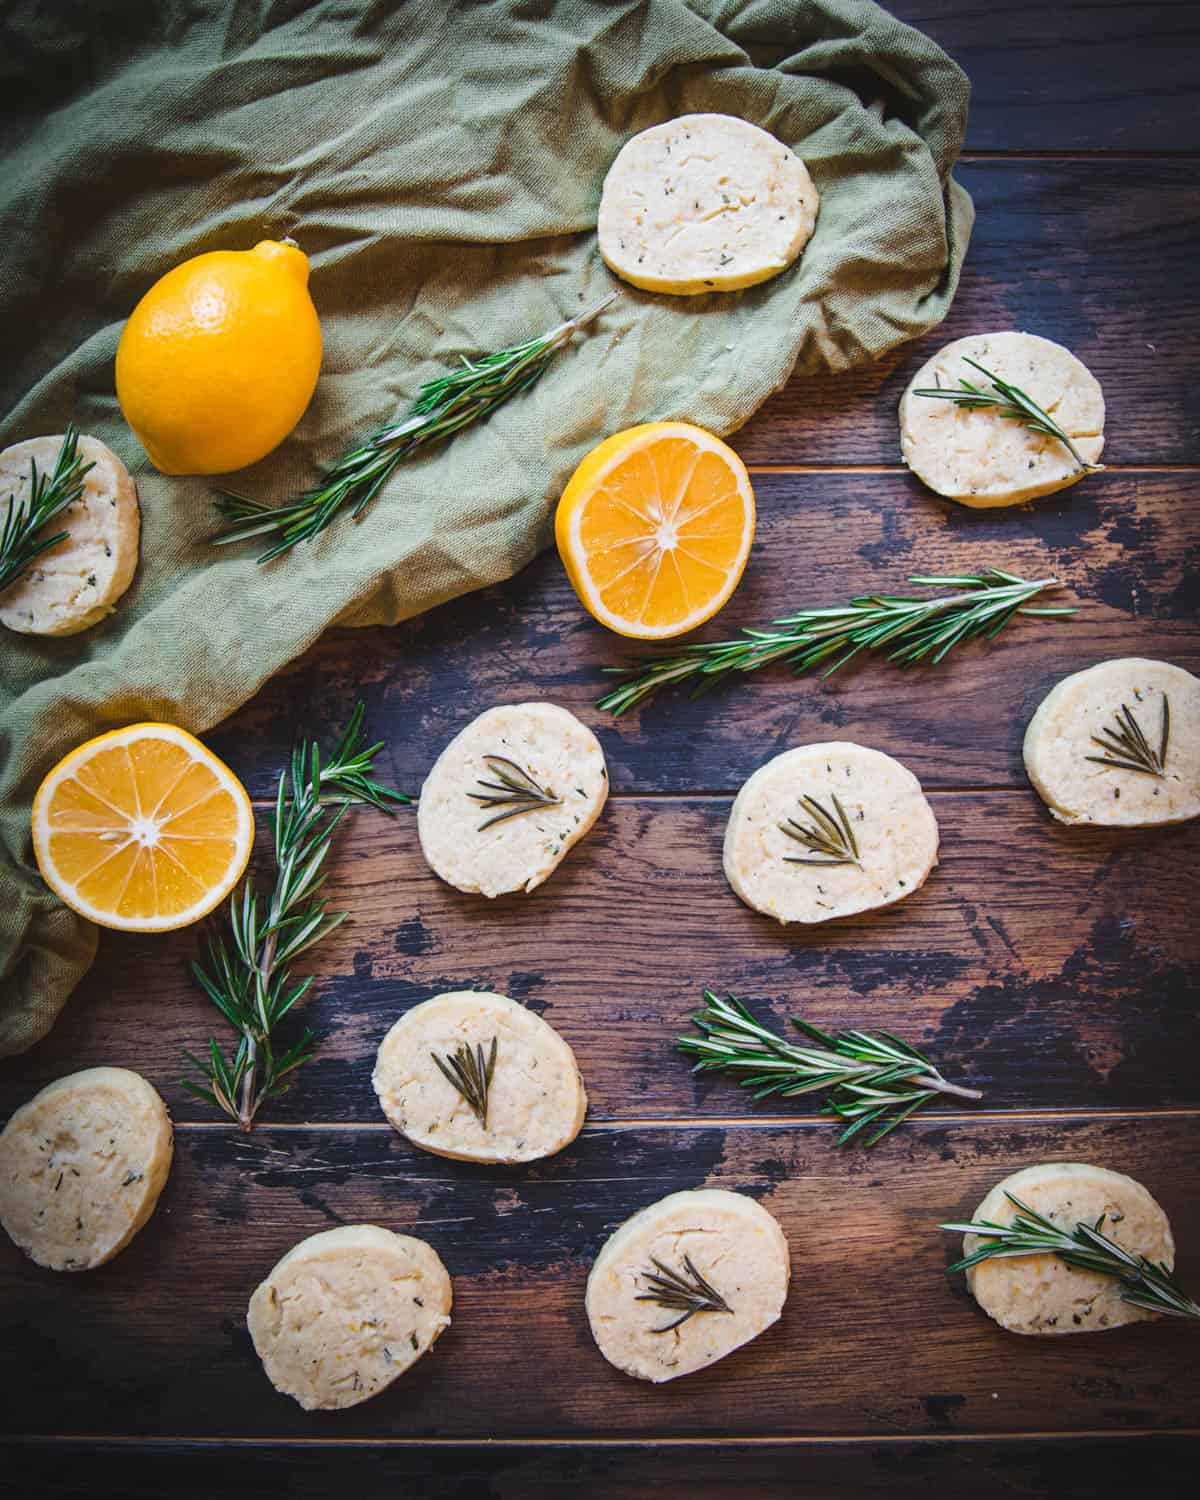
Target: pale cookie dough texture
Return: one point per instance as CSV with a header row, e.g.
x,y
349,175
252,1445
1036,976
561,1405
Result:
x,y
1041,1294
704,203
75,584
81,1167
982,458
1060,741
734,1244
346,1312
536,1099
460,835
893,826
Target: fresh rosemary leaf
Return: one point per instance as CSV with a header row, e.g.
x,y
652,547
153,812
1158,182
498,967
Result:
x,y
829,836
248,977
873,1078
685,1292
442,408
1128,749
470,1072
514,790
1010,402
1143,1282
905,630
49,495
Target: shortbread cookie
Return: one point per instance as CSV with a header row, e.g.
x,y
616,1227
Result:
x,y
704,203
982,458
75,584
347,1311
508,796
828,830
1118,745
81,1167
712,1263
522,1095
1042,1294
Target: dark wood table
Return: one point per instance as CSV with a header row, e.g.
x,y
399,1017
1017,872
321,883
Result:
x,y
1056,968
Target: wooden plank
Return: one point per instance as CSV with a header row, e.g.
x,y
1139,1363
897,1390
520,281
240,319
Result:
x,y
1070,1468
1127,547
1054,967
1055,251
1104,75
874,1339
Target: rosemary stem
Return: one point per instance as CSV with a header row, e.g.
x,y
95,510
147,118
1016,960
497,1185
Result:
x,y
948,1088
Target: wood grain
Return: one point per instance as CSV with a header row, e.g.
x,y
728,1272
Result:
x,y
1070,1468
1056,250
1054,967
1102,75
1127,547
874,1338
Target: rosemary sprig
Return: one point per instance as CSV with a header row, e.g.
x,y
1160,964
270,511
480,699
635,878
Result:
x,y
1012,403
514,789
248,978
442,408
872,1075
1128,749
470,1072
686,1292
829,836
907,630
1143,1282
49,495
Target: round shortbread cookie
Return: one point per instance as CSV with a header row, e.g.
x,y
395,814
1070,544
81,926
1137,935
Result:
x,y
982,458
1101,712
894,840
716,1242
81,1167
346,1312
75,584
535,1099
1042,1294
704,203
508,796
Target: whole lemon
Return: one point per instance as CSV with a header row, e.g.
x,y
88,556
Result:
x,y
219,359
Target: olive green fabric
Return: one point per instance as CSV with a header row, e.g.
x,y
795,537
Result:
x,y
441,164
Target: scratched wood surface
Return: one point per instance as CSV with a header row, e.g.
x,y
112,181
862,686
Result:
x,y
1056,969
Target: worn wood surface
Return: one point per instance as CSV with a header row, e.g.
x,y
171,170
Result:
x,y
1057,969
1030,962
874,1337
1153,1467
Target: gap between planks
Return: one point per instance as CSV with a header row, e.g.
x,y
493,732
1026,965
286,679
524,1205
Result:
x,y
798,1440
904,469
747,1122
727,794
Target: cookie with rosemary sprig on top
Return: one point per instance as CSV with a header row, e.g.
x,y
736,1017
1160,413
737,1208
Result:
x,y
687,1281
476,1077
69,529
827,830
1118,745
509,796
1001,418
1044,1294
